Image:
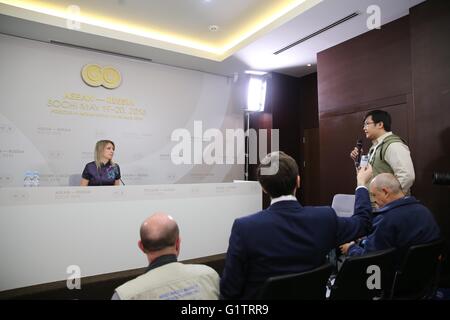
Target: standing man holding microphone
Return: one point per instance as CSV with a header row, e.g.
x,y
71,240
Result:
x,y
389,153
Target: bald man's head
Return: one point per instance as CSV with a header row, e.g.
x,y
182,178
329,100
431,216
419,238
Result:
x,y
388,181
385,188
158,232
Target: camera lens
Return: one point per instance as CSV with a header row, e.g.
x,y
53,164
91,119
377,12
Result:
x,y
440,178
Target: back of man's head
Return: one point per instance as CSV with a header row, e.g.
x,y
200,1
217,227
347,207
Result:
x,y
387,181
158,232
284,180
385,188
380,116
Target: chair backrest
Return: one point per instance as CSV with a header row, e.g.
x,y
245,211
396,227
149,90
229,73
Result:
x,y
365,277
74,180
308,285
419,272
343,204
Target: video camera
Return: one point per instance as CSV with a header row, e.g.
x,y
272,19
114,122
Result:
x,y
440,178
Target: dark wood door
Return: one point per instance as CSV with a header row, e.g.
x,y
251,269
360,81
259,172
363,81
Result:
x,y
309,184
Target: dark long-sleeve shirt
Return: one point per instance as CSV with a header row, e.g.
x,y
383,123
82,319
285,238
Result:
x,y
106,175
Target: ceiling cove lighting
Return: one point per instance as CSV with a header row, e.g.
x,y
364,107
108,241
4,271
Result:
x,y
108,24
263,23
54,14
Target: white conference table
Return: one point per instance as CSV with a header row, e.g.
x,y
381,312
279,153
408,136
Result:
x,y
44,230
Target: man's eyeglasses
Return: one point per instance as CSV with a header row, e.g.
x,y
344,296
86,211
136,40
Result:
x,y
366,124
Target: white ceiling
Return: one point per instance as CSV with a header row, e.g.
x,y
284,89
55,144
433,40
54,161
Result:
x,y
188,20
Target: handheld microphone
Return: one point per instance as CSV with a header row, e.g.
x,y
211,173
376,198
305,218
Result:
x,y
359,145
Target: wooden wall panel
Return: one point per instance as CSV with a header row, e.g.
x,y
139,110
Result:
x,y
309,149
338,137
374,65
372,71
309,109
309,182
285,106
291,107
430,50
404,68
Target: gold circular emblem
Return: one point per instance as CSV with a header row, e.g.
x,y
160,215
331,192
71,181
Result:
x,y
94,75
111,78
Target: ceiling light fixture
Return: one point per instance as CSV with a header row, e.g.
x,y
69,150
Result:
x,y
256,73
213,28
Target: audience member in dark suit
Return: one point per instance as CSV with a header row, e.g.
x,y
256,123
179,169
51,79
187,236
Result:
x,y
401,221
286,237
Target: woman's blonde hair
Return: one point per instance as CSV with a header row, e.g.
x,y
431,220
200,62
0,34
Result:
x,y
99,147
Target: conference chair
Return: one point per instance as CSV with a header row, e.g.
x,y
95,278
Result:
x,y
74,180
343,204
365,277
308,285
418,275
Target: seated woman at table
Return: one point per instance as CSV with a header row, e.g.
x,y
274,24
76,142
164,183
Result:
x,y
103,171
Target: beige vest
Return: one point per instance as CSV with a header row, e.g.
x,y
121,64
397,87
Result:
x,y
173,281
378,162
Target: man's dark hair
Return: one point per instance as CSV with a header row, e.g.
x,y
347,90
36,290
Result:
x,y
380,116
284,180
161,239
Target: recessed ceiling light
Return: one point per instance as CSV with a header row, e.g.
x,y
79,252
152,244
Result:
x,y
213,28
